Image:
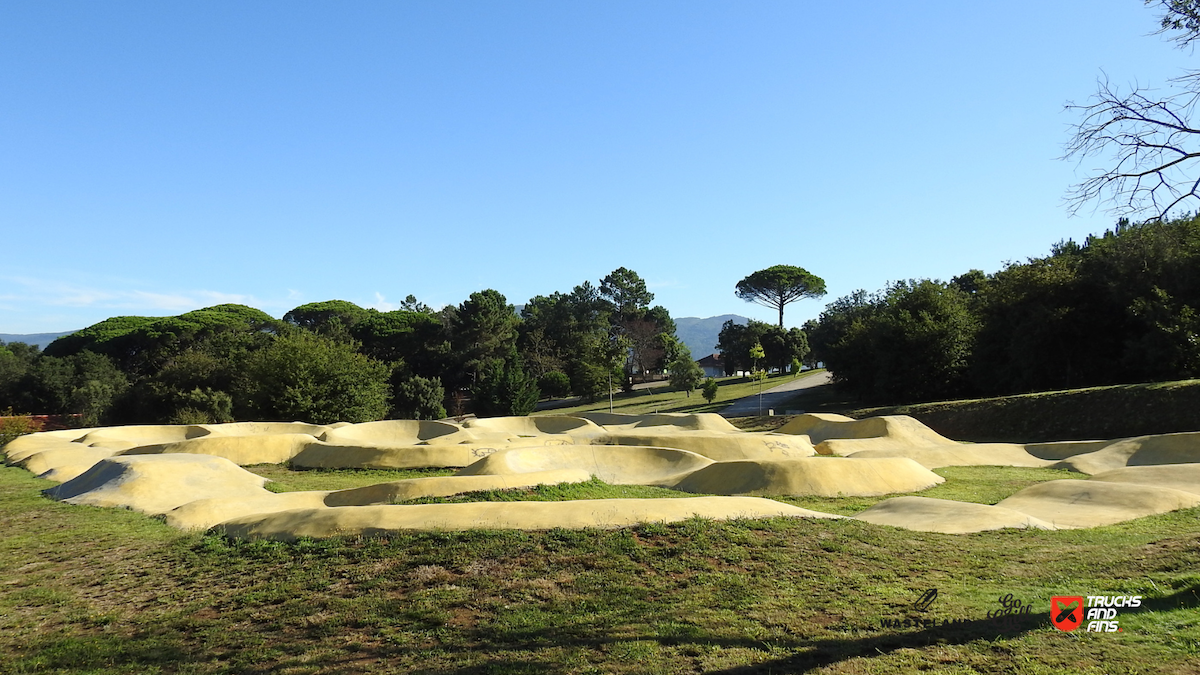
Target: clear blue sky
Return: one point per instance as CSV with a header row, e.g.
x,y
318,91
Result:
x,y
160,157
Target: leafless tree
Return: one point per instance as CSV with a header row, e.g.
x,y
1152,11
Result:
x,y
1179,15
1149,145
1149,142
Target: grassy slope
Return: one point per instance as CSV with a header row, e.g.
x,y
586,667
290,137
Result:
x,y
89,590
664,399
1096,412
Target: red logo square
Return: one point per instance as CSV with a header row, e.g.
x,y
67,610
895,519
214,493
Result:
x,y
1066,611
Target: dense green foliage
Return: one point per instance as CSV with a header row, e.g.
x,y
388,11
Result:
x,y
599,337
780,347
310,378
1119,308
141,344
335,361
554,384
418,398
13,425
684,372
85,383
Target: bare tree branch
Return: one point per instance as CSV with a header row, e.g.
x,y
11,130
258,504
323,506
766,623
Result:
x,y
1149,144
1179,15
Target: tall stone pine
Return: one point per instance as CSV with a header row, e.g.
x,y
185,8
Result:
x,y
780,285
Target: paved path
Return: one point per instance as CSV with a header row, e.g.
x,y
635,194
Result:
x,y
774,397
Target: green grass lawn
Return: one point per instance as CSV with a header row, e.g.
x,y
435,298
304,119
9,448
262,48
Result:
x,y
1114,411
663,399
99,591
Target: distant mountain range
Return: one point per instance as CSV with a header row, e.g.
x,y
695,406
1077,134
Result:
x,y
700,335
40,340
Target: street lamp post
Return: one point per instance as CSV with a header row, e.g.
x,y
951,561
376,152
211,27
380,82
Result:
x,y
760,379
610,392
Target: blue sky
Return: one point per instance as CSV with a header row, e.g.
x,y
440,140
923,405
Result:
x,y
161,157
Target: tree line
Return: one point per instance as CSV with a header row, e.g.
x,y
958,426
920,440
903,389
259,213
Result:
x,y
335,361
1121,307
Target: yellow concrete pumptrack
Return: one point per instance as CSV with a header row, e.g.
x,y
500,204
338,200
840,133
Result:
x,y
192,474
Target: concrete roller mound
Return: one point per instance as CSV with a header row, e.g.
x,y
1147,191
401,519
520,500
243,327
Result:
x,y
681,421
155,484
536,426
321,455
718,445
241,450
1063,449
142,434
840,435
205,513
613,464
973,454
1185,477
946,516
22,447
445,486
1070,504
811,476
1179,448
190,472
396,433
266,428
61,464
381,521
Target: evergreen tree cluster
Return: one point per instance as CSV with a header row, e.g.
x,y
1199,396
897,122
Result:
x,y
335,361
1121,307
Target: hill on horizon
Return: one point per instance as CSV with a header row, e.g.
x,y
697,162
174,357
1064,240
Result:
x,y
700,335
39,340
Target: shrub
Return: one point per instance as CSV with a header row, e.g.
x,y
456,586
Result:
x,y
554,384
13,425
418,398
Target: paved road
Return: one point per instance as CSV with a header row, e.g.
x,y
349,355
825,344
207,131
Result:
x,y
774,397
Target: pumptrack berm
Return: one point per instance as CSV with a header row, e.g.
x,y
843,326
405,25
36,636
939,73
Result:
x,y
192,475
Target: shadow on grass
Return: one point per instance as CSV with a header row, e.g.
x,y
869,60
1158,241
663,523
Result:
x,y
165,647
808,654
823,398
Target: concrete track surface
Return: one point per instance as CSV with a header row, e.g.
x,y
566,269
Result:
x,y
192,475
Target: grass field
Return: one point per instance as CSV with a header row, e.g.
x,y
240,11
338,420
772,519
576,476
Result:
x,y
85,590
1115,411
664,399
